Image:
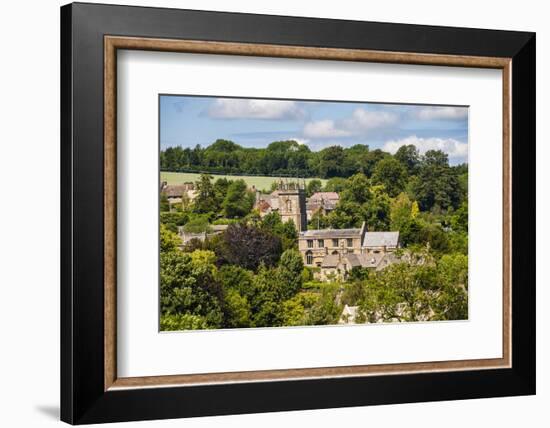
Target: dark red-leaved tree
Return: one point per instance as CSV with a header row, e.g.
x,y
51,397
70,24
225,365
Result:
x,y
248,246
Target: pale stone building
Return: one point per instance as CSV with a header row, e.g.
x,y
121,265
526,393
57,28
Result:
x,y
178,193
292,204
335,252
315,245
214,229
323,202
339,266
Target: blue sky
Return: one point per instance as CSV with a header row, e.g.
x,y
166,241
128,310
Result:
x,y
190,120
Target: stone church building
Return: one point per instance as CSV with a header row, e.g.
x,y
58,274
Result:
x,y
335,252
289,200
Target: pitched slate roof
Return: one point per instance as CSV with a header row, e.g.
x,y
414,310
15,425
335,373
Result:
x,y
315,205
352,260
326,196
175,190
368,260
381,239
375,261
387,260
330,260
331,233
265,202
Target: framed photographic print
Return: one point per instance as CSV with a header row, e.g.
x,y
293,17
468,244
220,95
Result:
x,y
265,213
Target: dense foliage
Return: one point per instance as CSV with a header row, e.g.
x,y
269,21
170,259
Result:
x,y
251,274
430,176
421,289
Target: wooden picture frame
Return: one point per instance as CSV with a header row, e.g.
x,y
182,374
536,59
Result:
x,y
91,390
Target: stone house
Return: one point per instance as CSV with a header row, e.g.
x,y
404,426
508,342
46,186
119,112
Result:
x,y
215,229
335,252
339,266
323,202
176,193
315,245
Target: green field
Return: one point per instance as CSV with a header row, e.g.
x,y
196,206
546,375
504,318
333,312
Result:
x,y
260,182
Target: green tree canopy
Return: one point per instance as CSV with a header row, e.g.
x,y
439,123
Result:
x,y
169,241
289,274
238,201
459,221
314,186
221,145
188,286
205,201
331,161
409,156
285,231
335,184
357,190
437,184
392,174
236,278
197,224
236,310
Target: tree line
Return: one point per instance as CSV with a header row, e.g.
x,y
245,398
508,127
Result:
x,y
428,178
281,158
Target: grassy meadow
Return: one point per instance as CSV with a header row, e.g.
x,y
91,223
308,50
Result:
x,y
260,182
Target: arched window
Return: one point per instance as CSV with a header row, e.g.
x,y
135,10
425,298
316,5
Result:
x,y
309,258
289,205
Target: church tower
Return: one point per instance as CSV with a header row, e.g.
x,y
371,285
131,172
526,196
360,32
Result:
x,y
292,203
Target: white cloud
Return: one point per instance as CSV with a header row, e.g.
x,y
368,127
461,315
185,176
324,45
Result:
x,y
362,120
323,129
359,123
450,113
454,148
233,108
